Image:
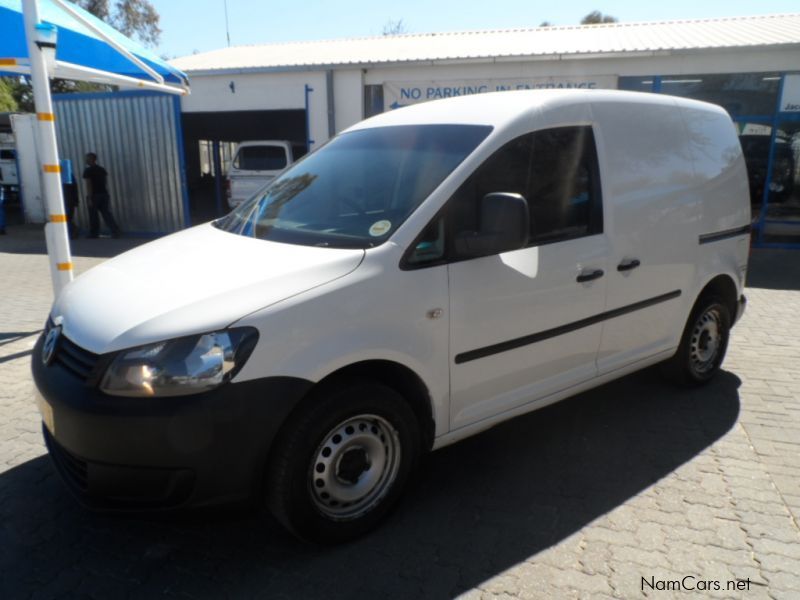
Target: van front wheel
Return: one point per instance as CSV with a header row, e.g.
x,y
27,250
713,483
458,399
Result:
x,y
342,461
703,344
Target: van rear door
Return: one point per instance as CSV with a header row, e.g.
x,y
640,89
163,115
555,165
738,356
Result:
x,y
651,213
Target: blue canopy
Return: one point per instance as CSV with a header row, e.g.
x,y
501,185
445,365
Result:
x,y
80,51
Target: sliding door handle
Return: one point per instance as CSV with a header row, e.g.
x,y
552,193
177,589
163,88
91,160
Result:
x,y
628,265
589,275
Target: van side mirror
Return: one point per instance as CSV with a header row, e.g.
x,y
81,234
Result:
x,y
504,226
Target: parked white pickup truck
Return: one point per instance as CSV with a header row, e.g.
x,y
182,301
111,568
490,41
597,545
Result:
x,y
254,165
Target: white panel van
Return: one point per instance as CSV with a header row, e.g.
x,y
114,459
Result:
x,y
426,275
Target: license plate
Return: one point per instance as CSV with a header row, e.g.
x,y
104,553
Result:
x,y
47,413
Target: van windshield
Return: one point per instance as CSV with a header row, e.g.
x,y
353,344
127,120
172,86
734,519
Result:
x,y
358,189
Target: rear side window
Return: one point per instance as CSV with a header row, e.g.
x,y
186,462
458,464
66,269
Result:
x,y
563,191
260,158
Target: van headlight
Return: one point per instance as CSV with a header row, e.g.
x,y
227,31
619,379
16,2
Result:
x,y
182,366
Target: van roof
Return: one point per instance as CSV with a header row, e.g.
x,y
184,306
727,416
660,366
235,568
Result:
x,y
501,108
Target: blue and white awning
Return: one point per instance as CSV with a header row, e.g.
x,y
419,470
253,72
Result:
x,y
87,49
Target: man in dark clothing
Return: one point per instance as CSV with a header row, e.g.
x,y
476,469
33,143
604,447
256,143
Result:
x,y
97,193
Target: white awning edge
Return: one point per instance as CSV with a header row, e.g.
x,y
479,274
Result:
x,y
65,70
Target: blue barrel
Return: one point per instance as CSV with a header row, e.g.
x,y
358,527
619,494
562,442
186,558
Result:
x,y
66,171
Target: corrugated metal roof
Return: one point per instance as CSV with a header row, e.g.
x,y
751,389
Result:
x,y
556,42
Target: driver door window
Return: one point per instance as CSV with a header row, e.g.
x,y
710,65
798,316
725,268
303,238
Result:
x,y
555,170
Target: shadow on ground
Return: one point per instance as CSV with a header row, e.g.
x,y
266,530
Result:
x,y
476,509
9,337
29,239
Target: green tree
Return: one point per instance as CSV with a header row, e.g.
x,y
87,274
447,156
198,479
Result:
x,y
595,17
7,101
135,18
99,8
395,27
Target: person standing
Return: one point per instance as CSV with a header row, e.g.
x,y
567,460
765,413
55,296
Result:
x,y
98,198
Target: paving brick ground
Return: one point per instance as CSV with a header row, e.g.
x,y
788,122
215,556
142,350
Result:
x,y
635,480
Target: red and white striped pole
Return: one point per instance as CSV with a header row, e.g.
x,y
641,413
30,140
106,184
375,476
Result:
x,y
41,45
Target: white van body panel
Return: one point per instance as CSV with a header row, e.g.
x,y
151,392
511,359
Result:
x,y
348,320
499,298
718,163
190,282
245,183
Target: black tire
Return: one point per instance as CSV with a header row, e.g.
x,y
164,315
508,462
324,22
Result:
x,y
703,344
358,438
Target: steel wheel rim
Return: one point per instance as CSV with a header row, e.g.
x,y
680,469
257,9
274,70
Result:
x,y
354,467
706,342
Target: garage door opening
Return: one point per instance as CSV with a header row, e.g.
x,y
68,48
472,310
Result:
x,y
210,140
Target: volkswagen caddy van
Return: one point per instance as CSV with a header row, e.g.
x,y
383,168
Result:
x,y
427,274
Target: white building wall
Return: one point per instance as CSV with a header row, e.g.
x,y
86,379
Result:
x,y
251,91
285,89
262,91
348,94
318,110
683,63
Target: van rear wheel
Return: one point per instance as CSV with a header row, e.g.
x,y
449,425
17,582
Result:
x,y
342,461
703,344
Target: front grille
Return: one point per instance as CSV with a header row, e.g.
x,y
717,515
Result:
x,y
72,357
74,470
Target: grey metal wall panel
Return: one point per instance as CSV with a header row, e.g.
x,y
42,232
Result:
x,y
136,138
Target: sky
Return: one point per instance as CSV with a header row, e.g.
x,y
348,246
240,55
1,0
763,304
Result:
x,y
190,26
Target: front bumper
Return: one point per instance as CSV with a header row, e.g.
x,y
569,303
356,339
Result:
x,y
148,453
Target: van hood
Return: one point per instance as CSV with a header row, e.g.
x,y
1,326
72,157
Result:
x,y
195,281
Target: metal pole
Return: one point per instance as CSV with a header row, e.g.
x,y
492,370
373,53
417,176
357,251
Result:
x,y
331,105
41,38
217,177
309,141
227,29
